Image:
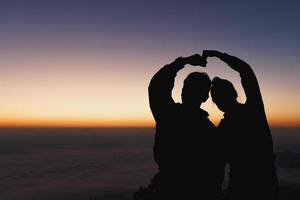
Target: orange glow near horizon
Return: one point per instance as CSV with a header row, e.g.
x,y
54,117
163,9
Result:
x,y
119,121
111,123
88,123
86,89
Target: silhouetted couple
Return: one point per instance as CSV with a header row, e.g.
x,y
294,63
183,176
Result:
x,y
191,152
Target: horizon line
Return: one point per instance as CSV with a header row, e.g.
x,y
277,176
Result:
x,y
108,127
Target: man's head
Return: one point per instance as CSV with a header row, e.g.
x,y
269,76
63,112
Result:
x,y
195,89
223,94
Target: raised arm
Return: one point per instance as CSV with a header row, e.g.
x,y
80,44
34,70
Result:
x,y
162,83
248,78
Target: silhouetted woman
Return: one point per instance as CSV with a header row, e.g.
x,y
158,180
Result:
x,y
248,145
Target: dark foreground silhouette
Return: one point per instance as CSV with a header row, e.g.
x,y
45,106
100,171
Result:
x,y
247,140
186,145
191,152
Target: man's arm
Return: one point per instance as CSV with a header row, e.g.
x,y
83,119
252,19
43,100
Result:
x,y
162,83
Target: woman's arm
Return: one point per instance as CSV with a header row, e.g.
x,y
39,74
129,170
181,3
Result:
x,y
248,78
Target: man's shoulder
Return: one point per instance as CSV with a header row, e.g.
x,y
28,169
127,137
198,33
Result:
x,y
203,113
203,116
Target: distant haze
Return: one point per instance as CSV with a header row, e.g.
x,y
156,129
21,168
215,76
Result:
x,y
76,164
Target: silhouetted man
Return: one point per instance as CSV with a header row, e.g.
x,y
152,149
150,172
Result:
x,y
186,146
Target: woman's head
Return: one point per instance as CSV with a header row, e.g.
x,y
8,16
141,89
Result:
x,y
223,94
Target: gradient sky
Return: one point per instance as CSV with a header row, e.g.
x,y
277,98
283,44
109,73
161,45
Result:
x,y
89,63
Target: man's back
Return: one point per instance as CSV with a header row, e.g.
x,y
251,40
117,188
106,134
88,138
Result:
x,y
186,151
186,146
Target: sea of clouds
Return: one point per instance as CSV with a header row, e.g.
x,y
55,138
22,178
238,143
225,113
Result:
x,y
65,164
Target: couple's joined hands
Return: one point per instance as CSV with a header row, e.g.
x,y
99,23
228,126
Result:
x,y
198,60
